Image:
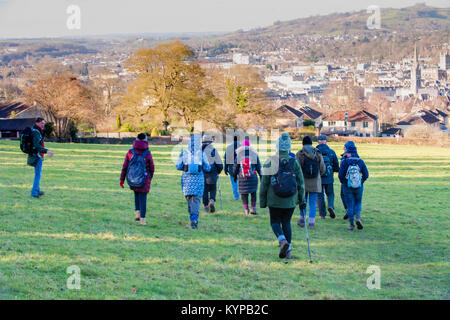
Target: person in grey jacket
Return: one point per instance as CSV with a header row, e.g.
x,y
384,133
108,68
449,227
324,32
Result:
x,y
213,157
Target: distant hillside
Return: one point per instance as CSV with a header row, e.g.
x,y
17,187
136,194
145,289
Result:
x,y
311,36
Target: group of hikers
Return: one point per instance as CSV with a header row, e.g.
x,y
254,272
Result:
x,y
286,179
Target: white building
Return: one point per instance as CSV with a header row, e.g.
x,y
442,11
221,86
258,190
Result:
x,y
239,58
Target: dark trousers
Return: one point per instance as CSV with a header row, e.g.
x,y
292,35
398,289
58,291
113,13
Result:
x,y
140,202
280,221
209,192
353,199
343,197
245,198
327,190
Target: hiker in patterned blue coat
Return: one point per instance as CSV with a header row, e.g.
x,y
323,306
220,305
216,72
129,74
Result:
x,y
193,162
352,174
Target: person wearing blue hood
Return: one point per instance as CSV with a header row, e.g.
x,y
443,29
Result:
x,y
352,174
193,162
332,165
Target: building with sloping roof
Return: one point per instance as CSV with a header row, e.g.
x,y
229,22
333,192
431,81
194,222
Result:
x,y
11,128
351,123
287,116
392,133
423,117
18,110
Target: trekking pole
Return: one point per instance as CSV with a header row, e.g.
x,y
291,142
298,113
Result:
x,y
307,240
220,195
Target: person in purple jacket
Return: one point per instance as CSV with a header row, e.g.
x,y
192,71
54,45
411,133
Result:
x,y
352,174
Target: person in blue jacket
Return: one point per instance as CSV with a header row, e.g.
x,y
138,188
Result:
x,y
332,165
193,162
352,174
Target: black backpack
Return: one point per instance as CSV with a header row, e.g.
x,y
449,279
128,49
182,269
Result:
x,y
328,166
310,167
26,141
284,182
137,169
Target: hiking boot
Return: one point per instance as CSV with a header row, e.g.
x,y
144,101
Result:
x,y
142,222
194,224
246,212
312,225
211,206
289,255
359,224
351,227
206,208
137,215
41,193
253,211
301,222
284,246
332,213
345,216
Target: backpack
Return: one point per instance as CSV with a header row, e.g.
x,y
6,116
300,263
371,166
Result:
x,y
26,141
193,167
284,182
137,169
310,167
354,176
328,166
246,166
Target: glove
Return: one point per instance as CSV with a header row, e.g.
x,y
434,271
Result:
x,y
302,206
121,184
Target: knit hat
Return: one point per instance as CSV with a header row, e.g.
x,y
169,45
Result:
x,y
246,143
284,142
307,140
141,137
207,138
350,147
322,137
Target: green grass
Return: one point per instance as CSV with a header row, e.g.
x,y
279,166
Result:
x,y
86,219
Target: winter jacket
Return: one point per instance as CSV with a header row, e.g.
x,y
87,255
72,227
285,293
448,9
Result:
x,y
230,157
312,184
267,196
38,146
214,161
193,184
140,147
327,151
247,185
346,162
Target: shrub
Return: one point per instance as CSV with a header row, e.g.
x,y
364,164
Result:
x,y
155,132
424,132
309,122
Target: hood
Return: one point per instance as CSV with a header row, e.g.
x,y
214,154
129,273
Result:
x,y
243,148
309,151
140,145
323,148
205,144
195,143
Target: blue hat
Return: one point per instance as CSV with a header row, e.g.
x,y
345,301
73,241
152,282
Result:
x,y
322,137
350,147
284,142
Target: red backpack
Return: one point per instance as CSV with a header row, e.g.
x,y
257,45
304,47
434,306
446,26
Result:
x,y
246,166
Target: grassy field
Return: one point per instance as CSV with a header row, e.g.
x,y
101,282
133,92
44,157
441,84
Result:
x,y
86,219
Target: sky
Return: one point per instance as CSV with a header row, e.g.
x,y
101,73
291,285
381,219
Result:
x,y
48,18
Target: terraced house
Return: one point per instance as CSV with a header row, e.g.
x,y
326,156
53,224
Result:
x,y
351,123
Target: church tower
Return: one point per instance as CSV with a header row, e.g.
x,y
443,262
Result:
x,y
415,73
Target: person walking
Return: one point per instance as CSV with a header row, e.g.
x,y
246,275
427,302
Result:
x,y
36,157
331,165
352,174
281,192
230,161
193,162
138,169
214,160
313,167
246,171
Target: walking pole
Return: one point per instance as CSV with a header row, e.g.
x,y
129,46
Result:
x,y
307,239
220,195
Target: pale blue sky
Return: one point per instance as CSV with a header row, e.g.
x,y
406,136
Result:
x,y
47,18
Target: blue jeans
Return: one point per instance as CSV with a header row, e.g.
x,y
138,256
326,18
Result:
x,y
312,205
353,200
37,178
193,207
328,190
235,188
140,203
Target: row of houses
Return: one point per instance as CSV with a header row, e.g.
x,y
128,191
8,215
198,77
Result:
x,y
358,123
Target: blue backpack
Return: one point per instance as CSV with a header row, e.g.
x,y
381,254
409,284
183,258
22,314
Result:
x,y
137,171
